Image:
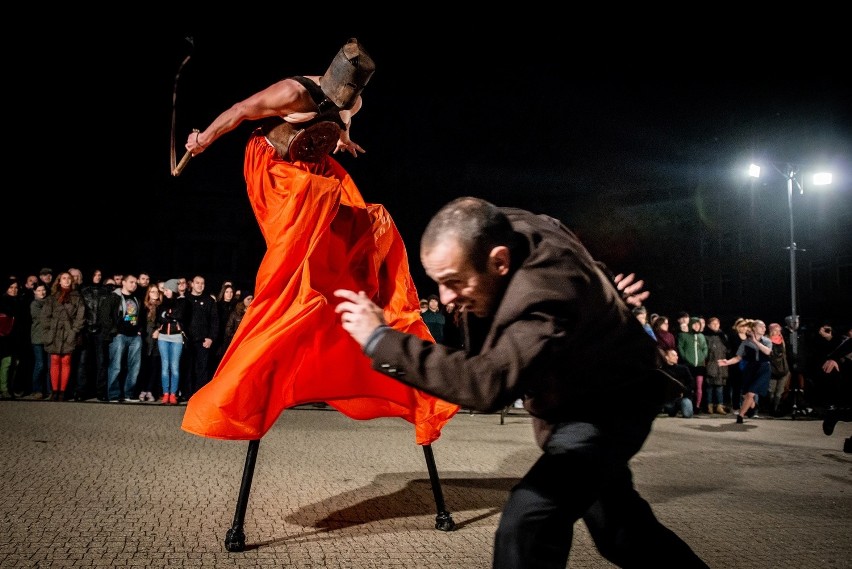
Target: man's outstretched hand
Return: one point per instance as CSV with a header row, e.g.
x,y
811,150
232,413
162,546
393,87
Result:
x,y
359,315
631,291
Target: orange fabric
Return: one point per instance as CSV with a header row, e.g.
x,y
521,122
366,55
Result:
x,y
290,348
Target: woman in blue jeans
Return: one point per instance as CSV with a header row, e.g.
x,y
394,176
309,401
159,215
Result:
x,y
170,340
754,352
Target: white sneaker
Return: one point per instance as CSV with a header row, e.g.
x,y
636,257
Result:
x,y
518,404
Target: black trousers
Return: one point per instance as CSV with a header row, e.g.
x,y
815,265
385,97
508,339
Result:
x,y
584,473
92,361
198,366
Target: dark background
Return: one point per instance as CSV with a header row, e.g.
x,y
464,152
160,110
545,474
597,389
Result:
x,y
593,124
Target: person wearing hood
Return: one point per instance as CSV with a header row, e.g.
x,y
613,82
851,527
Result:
x,y
692,348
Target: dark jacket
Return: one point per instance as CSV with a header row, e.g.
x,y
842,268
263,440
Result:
x,y
682,374
63,323
202,319
561,337
93,295
778,360
113,317
717,349
37,327
171,315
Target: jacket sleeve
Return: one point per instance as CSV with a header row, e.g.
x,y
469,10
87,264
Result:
x,y
106,316
704,349
79,317
682,343
485,382
48,322
213,330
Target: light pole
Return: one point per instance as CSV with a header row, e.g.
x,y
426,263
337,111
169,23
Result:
x,y
791,173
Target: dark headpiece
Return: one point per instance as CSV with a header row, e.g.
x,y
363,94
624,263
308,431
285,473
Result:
x,y
348,74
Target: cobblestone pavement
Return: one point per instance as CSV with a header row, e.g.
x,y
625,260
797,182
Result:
x,y
100,485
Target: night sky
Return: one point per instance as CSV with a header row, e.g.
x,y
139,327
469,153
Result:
x,y
543,118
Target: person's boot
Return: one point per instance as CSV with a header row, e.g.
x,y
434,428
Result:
x,y
709,408
720,409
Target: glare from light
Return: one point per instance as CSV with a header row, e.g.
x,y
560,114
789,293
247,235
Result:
x,y
754,170
822,178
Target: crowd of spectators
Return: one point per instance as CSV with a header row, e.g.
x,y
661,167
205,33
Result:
x,y
106,338
702,354
66,338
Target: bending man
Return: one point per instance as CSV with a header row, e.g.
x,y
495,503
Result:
x,y
547,325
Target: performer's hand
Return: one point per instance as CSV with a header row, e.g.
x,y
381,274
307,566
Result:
x,y
344,144
830,366
359,315
631,292
193,144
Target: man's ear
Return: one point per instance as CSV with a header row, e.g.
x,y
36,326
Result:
x,y
499,260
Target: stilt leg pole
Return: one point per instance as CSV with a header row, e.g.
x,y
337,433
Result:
x,y
443,521
235,538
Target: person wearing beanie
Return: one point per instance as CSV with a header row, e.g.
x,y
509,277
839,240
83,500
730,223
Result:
x,y
170,339
46,276
172,285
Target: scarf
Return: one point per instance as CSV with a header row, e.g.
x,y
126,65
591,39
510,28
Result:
x,y
64,294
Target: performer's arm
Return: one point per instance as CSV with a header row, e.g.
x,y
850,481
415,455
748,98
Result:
x,y
282,98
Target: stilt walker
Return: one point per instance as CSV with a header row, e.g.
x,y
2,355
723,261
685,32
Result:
x,y
320,235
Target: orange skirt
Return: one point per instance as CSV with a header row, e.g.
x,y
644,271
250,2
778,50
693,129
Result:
x,y
290,348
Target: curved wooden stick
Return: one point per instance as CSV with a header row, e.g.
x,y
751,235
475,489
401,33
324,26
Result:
x,y
182,164
183,161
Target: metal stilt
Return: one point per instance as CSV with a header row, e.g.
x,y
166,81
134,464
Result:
x,y
235,538
443,521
